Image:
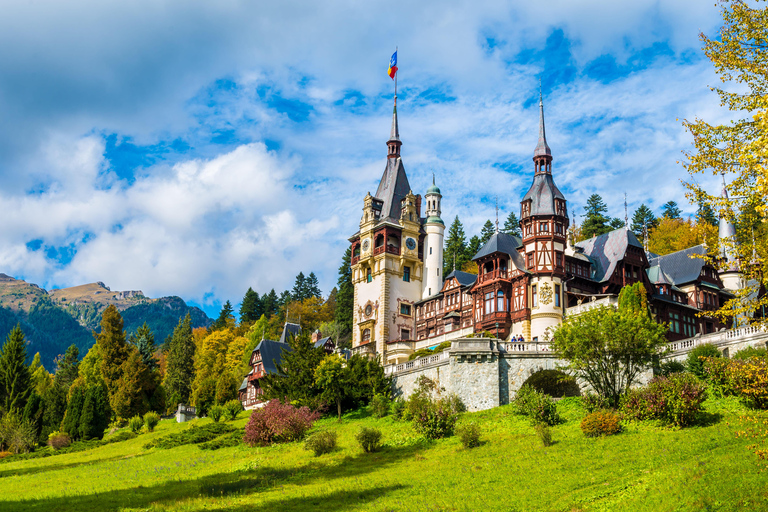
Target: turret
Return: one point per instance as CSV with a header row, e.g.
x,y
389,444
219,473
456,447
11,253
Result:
x,y
433,243
730,275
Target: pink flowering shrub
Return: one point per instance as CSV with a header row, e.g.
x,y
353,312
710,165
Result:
x,y
278,422
673,400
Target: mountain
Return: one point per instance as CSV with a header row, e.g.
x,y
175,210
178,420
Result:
x,y
54,320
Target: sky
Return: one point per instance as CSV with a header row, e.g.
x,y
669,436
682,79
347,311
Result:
x,y
199,148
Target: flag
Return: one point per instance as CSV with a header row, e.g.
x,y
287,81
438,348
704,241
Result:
x,y
392,66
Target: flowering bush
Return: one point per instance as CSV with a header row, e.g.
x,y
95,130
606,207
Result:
x,y
278,422
600,423
673,400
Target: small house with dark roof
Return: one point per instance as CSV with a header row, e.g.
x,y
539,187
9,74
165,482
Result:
x,y
265,359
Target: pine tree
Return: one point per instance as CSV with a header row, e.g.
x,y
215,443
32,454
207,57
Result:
x,y
473,247
285,298
144,341
299,288
616,223
705,214
112,347
14,373
595,222
270,303
670,210
487,232
346,293
312,286
512,225
71,422
455,247
95,413
643,219
250,308
295,377
180,369
55,400
226,316
135,388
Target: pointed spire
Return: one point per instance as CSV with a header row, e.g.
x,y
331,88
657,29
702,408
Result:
x,y
727,233
395,132
542,149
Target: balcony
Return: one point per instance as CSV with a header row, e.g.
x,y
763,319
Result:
x,y
390,249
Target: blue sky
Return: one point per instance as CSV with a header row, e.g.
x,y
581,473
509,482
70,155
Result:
x,y
198,148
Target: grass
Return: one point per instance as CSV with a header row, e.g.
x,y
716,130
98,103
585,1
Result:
x,y
645,468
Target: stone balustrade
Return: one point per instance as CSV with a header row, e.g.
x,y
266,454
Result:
x,y
586,306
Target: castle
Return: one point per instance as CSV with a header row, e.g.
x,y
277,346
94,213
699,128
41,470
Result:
x,y
524,286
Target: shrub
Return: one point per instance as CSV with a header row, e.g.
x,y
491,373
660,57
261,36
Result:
x,y
695,362
553,383
135,424
420,353
537,406
321,442
369,439
544,433
398,408
600,423
17,435
469,433
593,402
667,368
278,422
673,400
225,441
192,435
216,412
151,419
232,409
380,405
746,379
59,440
750,352
437,420
4,455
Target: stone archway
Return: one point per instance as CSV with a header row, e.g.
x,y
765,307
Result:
x,y
554,383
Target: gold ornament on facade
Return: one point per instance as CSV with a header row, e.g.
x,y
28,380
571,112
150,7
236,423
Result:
x,y
546,293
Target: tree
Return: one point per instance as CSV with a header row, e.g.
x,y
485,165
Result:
x,y
670,210
299,288
643,220
251,308
609,347
68,367
180,371
595,222
455,247
738,150
112,346
486,233
295,377
512,225
331,376
136,389
144,341
95,413
616,223
673,235
14,373
270,303
226,317
75,399
705,214
346,293
312,286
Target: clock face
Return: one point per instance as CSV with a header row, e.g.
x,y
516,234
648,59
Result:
x,y
410,243
366,244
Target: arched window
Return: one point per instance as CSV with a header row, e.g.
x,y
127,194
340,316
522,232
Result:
x,y
500,301
366,335
356,252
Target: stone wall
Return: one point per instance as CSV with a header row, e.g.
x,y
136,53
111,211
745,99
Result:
x,y
405,382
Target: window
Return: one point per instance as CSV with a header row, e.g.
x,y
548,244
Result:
x,y
558,259
368,277
530,260
534,300
489,303
675,322
405,309
405,334
500,301
557,295
407,274
366,335
356,252
543,227
430,250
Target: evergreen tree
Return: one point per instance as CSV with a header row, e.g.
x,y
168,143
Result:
x,y
285,298
473,247
705,214
14,373
487,232
643,219
144,341
332,377
595,222
670,210
71,422
135,388
295,377
312,286
226,317
455,247
34,412
299,288
55,400
346,293
95,412
270,303
180,369
512,225
251,308
616,223
112,347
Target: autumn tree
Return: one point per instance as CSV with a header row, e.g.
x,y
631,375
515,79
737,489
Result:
x,y
180,371
595,221
512,225
14,373
738,150
672,235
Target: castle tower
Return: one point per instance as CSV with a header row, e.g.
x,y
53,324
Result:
x,y
433,243
544,224
730,275
387,268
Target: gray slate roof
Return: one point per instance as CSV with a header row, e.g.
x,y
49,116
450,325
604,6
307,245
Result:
x,y
682,266
504,243
464,278
322,342
393,188
607,250
271,354
289,329
542,194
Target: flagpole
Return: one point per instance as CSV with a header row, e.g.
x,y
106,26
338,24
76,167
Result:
x,y
396,80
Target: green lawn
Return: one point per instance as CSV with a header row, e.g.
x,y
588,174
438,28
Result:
x,y
646,468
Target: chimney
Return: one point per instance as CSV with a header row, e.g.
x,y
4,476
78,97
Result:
x,y
316,336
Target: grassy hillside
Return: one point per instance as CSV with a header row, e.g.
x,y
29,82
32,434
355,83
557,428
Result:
x,y
646,468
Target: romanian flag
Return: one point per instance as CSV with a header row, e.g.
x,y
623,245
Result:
x,y
392,66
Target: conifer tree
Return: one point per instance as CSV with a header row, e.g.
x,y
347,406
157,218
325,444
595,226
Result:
x,y
595,221
705,214
144,341
346,293
455,247
299,288
71,422
14,373
487,232
670,210
312,286
616,223
250,308
225,317
643,220
135,388
295,377
95,412
512,225
180,369
112,347
270,303
472,248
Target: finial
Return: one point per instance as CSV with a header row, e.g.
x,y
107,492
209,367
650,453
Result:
x,y
626,214
542,148
433,177
497,215
645,236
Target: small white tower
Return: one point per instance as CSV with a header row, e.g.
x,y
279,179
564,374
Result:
x,y
730,275
433,243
